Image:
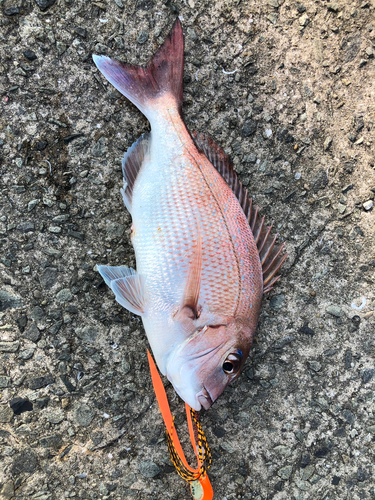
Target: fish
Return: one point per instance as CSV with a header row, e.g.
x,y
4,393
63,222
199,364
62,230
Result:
x,y
204,257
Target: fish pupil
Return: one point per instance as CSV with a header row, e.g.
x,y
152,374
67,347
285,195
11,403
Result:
x,y
228,367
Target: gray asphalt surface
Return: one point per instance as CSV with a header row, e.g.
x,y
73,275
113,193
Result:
x,y
287,88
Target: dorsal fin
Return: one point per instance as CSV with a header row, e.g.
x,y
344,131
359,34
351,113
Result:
x,y
132,162
269,253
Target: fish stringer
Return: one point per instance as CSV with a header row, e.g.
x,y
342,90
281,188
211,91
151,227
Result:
x,y
200,485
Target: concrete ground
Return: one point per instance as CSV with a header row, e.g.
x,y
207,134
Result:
x,y
287,88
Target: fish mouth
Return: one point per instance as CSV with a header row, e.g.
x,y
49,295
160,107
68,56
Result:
x,y
204,398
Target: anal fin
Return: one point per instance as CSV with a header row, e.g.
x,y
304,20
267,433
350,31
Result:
x,y
127,285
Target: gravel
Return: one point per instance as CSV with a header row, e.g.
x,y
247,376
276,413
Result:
x,y
285,472
39,382
9,346
142,37
334,311
11,11
64,295
25,462
249,128
368,205
368,375
320,181
8,301
149,469
44,4
20,405
83,415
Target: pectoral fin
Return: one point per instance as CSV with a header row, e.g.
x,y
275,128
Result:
x,y
127,285
189,304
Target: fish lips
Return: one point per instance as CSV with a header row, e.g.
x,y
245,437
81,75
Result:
x,y
205,399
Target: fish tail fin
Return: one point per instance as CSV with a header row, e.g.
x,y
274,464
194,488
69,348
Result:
x,y
162,76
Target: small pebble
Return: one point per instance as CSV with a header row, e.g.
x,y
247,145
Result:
x,y
64,295
300,7
65,402
327,143
32,204
347,188
304,20
226,446
148,469
334,311
315,366
80,31
11,11
44,4
285,472
30,55
48,202
268,133
41,145
368,205
367,375
55,416
333,7
142,37
61,47
83,415
192,34
100,48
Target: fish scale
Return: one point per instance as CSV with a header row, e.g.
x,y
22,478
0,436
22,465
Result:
x,y
157,251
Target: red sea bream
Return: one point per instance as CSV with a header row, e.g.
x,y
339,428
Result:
x,y
204,257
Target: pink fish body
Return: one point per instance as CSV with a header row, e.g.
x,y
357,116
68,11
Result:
x,y
199,280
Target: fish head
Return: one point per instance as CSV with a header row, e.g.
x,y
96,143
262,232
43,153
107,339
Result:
x,y
212,357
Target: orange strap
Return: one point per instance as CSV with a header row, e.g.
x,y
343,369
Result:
x,y
199,483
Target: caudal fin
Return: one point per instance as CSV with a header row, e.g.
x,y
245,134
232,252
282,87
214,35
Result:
x,y
162,75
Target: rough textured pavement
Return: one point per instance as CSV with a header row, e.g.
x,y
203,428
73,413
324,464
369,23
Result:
x,y
287,88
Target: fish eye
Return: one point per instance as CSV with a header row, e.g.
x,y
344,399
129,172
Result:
x,y
232,363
